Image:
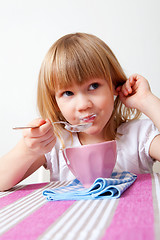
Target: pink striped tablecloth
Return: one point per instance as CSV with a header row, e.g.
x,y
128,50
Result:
x,y
25,214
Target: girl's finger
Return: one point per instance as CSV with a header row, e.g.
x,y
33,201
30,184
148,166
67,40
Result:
x,y
128,87
48,147
49,140
47,136
37,122
42,130
133,78
33,132
125,88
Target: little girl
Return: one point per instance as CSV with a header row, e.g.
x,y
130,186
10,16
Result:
x,y
81,81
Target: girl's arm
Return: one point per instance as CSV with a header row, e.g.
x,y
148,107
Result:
x,y
28,155
136,93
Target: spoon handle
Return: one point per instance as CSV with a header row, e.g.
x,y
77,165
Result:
x,y
25,127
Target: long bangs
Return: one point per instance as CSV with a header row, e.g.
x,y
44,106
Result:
x,y
77,60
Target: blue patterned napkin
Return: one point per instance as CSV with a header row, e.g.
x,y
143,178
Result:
x,y
102,188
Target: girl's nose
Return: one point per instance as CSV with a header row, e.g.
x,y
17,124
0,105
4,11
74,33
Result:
x,y
83,102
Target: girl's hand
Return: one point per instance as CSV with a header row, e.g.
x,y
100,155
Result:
x,y
39,140
134,92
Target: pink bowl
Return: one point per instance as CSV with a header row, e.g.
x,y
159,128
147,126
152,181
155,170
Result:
x,y
89,162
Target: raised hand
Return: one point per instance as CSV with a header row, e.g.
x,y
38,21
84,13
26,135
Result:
x,y
134,92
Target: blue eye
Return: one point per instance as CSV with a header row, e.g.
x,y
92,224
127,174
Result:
x,y
93,86
67,94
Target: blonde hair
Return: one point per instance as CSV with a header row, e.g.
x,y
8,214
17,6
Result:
x,y
77,58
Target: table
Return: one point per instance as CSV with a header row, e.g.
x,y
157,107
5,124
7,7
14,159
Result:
x,y
25,214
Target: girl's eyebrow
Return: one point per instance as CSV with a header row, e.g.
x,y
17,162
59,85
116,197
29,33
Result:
x,y
62,90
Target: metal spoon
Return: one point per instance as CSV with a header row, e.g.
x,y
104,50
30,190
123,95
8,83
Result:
x,y
72,128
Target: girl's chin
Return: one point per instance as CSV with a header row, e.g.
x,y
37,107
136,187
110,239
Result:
x,y
93,131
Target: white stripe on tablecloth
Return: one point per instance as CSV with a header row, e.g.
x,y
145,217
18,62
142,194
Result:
x,y
100,217
67,218
89,214
82,229
100,221
15,212
156,204
28,198
13,206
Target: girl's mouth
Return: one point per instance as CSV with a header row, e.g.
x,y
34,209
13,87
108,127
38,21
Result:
x,y
89,118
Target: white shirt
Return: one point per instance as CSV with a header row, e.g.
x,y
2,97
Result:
x,y
132,150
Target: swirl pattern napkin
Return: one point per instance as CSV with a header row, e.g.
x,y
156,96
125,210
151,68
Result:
x,y
102,188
